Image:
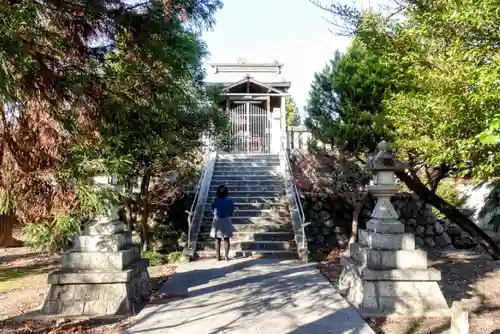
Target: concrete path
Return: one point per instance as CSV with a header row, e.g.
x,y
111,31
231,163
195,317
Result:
x,y
249,296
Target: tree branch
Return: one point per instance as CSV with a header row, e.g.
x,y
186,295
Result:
x,y
452,213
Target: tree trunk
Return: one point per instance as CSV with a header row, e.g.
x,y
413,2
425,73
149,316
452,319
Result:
x,y
128,214
144,200
451,213
7,222
355,218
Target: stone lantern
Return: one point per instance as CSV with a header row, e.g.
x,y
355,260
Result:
x,y
384,166
384,273
103,274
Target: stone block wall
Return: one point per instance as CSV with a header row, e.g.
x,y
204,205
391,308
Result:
x,y
331,219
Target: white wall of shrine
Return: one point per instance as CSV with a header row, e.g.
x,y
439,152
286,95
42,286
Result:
x,y
235,77
265,75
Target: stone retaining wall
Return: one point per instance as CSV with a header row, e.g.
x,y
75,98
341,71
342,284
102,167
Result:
x,y
331,219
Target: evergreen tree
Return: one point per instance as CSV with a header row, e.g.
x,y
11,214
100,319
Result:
x,y
98,87
442,102
292,112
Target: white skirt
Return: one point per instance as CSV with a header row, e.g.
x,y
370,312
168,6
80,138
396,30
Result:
x,y
222,228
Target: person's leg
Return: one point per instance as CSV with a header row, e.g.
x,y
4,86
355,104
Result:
x,y
217,248
227,245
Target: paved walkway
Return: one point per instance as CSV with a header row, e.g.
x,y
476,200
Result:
x,y
249,296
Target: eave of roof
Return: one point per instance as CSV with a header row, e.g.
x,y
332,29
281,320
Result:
x,y
281,84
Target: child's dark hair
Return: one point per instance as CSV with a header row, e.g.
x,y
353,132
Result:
x,y
222,191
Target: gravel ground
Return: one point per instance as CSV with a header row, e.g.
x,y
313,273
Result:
x,y
23,285
465,274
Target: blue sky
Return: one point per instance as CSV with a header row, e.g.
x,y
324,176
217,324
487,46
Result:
x,y
267,30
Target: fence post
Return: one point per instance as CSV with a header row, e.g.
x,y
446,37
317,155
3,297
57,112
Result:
x,y
459,318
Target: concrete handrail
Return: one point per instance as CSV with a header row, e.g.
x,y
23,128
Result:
x,y
293,197
206,155
295,191
198,205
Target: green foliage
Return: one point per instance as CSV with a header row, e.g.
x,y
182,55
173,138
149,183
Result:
x,y
177,257
345,102
491,136
448,191
446,92
292,112
157,106
132,105
94,200
437,91
155,258
7,204
435,82
52,235
158,259
224,141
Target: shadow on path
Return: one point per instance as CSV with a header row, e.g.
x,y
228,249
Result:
x,y
250,296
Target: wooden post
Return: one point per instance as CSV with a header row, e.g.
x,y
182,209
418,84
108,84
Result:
x,y
459,318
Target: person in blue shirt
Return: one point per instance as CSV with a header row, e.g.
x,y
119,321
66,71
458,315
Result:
x,y
222,226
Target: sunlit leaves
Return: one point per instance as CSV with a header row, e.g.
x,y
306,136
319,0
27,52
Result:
x,y
346,101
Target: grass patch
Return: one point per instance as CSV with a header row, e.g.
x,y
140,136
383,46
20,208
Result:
x,y
17,278
12,273
157,259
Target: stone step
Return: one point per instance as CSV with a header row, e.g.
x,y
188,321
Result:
x,y
253,188
254,236
252,220
252,200
245,173
238,168
259,193
276,214
253,157
253,228
216,179
250,245
273,160
246,164
238,206
388,259
282,254
248,182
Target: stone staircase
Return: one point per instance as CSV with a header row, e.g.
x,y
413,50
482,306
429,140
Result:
x,y
261,217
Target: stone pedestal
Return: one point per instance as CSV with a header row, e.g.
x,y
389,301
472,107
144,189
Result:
x,y
384,273
102,275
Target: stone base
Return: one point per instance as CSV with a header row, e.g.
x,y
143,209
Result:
x,y
75,293
402,291
388,259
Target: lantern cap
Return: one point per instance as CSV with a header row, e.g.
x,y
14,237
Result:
x,y
384,160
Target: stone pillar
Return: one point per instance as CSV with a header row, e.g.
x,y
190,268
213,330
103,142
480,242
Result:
x,y
384,273
102,275
283,113
275,131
